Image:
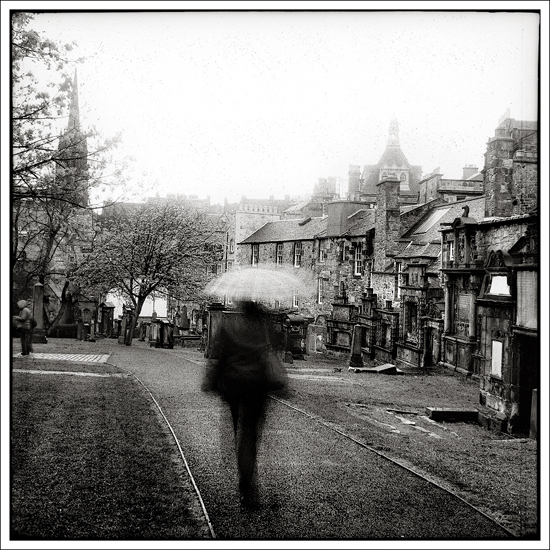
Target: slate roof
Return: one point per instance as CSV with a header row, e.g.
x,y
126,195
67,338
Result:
x,y
302,229
426,232
417,250
360,222
298,206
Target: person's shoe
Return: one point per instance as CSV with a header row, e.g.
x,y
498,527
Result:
x,y
248,501
248,498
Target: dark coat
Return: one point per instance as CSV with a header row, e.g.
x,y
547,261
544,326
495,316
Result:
x,y
241,359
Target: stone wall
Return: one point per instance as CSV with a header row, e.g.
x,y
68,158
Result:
x,y
525,181
383,285
498,237
427,189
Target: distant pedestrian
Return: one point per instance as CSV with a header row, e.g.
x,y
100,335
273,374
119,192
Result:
x,y
24,324
243,368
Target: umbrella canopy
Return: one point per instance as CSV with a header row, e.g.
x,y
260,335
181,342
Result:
x,y
262,284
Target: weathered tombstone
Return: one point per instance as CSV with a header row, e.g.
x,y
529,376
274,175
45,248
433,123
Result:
x,y
122,334
39,334
356,361
184,323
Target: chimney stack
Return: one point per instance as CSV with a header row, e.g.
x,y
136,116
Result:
x,y
468,171
354,186
387,222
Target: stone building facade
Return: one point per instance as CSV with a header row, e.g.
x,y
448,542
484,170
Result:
x,y
490,266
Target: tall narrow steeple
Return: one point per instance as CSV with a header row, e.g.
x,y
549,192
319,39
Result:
x,y
73,153
393,139
74,111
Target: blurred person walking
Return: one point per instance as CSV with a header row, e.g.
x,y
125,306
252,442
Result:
x,y
243,368
24,324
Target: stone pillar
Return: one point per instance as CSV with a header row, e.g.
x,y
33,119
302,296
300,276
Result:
x,y
39,334
128,334
448,307
472,316
425,346
356,361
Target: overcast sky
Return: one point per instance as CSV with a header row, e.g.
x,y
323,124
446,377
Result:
x,y
264,103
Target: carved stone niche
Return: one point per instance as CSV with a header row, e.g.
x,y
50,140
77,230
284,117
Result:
x,y
525,251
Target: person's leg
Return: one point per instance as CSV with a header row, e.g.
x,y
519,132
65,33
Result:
x,y
24,341
250,429
234,405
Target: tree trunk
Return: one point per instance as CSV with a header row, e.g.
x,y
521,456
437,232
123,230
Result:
x,y
133,323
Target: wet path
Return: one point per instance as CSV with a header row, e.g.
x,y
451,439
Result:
x,y
314,484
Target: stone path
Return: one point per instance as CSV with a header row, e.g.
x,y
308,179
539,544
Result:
x,y
70,373
79,357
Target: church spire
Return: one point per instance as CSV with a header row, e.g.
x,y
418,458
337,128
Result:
x,y
74,111
72,155
393,139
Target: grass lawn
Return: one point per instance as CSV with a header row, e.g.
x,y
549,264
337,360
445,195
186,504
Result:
x,y
91,460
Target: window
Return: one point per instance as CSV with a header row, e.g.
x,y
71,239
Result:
x,y
368,279
232,246
322,254
279,254
358,263
451,250
496,359
499,285
399,279
294,299
255,253
298,254
320,291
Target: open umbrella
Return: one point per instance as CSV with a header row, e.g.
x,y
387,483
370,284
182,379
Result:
x,y
262,284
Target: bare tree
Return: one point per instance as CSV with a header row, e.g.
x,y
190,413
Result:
x,y
153,247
